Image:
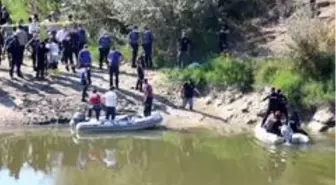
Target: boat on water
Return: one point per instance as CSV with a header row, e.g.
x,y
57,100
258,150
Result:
x,y
122,123
270,138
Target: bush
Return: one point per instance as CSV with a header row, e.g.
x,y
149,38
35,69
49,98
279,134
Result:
x,y
220,72
310,46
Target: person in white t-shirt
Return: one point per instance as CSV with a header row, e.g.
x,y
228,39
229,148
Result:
x,y
110,101
33,27
53,55
62,34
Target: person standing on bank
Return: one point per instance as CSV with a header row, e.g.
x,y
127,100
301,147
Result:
x,y
34,44
133,40
148,98
23,40
41,53
14,50
110,98
114,58
184,50
104,47
222,37
83,74
67,54
74,35
84,61
188,93
147,43
141,75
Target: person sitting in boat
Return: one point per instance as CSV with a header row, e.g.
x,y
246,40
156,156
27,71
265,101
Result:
x,y
274,123
95,104
294,123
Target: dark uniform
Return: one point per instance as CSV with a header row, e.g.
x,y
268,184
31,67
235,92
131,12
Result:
x,y
41,56
67,54
273,105
14,50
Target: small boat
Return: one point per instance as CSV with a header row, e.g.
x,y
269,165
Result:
x,y
121,123
270,138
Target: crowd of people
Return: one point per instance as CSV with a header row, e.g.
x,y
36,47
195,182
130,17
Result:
x,y
68,43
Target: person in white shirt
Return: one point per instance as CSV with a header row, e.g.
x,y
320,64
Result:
x,y
53,54
62,34
33,27
110,101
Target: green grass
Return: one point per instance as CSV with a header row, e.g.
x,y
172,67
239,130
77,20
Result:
x,y
18,9
222,71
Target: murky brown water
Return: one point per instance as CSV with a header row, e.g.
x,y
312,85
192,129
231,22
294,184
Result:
x,y
167,159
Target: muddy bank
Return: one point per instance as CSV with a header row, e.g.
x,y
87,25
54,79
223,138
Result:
x,y
25,103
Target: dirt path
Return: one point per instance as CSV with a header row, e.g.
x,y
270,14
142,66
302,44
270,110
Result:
x,y
29,101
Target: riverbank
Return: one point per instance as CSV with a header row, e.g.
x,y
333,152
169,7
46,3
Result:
x,y
26,103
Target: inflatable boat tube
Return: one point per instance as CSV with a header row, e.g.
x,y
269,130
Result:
x,y
120,124
270,138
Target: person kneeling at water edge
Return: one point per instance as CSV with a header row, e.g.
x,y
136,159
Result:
x,y
95,104
110,98
295,125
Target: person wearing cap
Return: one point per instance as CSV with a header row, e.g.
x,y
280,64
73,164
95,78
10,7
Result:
x,y
14,51
133,40
104,43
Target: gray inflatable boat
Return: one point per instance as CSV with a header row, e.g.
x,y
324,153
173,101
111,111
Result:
x,y
120,124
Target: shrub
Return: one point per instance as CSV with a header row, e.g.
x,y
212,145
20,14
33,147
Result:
x,y
310,45
219,72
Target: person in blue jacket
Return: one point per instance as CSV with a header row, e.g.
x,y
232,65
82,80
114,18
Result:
x,y
147,42
104,48
82,37
84,61
114,58
133,40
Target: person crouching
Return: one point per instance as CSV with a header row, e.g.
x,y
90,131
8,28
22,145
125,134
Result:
x,y
95,104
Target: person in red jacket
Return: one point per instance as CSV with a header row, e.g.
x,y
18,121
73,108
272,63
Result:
x,y
95,102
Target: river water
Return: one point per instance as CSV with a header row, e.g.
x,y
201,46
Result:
x,y
163,158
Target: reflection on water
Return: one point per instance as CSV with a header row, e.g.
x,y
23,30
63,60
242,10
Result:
x,y
173,159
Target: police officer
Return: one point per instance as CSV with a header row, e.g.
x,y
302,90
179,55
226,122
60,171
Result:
x,y
67,54
133,40
282,103
104,43
114,58
14,49
41,56
273,104
147,42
